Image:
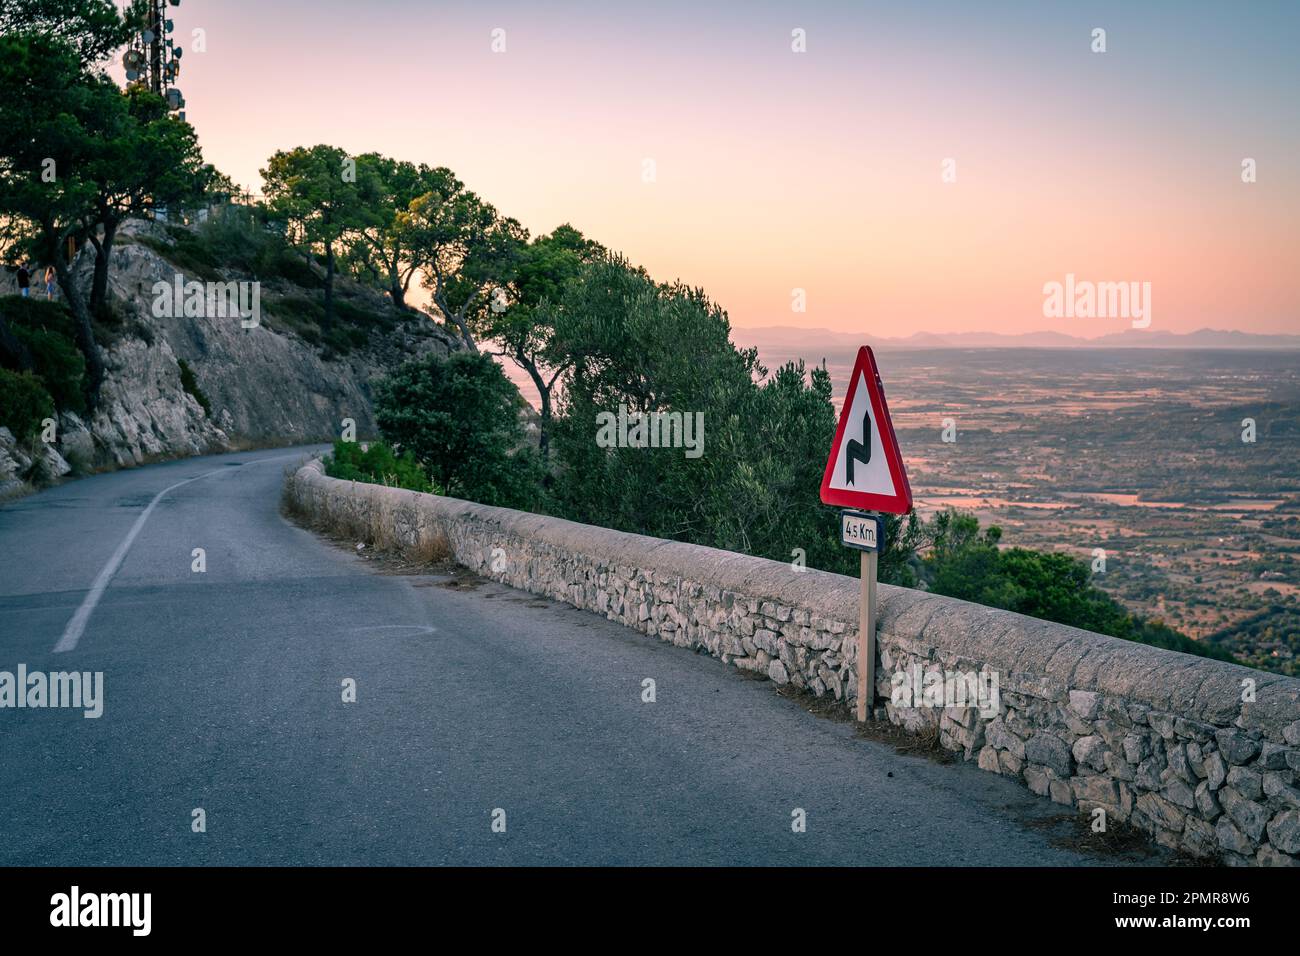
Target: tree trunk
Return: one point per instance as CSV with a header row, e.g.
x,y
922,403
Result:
x,y
103,250
395,288
463,326
85,331
544,393
329,284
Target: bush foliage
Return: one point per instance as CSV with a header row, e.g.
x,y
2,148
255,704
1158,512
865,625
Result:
x,y
24,403
459,416
45,329
377,463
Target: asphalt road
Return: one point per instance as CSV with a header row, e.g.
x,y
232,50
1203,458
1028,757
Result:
x,y
222,691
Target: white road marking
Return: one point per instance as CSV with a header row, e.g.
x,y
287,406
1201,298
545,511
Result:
x,y
72,633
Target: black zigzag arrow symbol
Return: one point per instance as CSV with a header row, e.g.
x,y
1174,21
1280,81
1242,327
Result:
x,y
859,450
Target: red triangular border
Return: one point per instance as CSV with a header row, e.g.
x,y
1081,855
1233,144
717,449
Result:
x,y
898,504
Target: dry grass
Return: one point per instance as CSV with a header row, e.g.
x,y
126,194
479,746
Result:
x,y
372,533
923,743
1073,831
432,546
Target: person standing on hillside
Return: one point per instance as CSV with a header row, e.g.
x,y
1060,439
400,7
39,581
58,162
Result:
x,y
24,280
49,283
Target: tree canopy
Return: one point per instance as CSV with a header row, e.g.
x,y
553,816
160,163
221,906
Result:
x,y
91,29
325,196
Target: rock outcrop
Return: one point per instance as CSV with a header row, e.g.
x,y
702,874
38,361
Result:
x,y
264,386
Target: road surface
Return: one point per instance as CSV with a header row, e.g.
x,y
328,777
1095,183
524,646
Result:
x,y
223,691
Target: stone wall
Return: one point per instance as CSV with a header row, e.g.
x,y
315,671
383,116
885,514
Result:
x,y
1203,756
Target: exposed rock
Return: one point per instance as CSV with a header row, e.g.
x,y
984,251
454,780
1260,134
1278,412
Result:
x,y
1216,771
1095,790
1284,794
1192,730
1207,804
998,735
1163,724
265,385
1118,767
1272,756
1084,703
1051,751
1198,837
1010,763
1180,793
1267,856
1230,838
1161,811
1249,816
1246,782
1148,774
988,759
1178,762
1090,752
1136,748
1037,780
1284,831
1236,747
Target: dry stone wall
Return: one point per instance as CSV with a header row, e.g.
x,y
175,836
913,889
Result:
x,y
1204,756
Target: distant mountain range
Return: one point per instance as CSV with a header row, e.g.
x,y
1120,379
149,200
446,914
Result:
x,y
788,338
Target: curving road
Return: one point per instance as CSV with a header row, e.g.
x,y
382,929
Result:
x,y
222,692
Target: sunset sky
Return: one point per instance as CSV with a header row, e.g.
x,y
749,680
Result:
x,y
821,170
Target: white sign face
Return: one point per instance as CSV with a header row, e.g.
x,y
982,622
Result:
x,y
860,531
861,464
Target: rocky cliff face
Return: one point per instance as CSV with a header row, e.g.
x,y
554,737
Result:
x,y
264,386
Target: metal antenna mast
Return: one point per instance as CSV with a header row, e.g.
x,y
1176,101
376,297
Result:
x,y
151,59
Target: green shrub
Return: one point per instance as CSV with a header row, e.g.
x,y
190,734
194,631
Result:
x,y
236,240
46,329
233,238
963,561
191,385
187,252
377,464
299,314
304,315
459,415
287,263
367,319
37,314
24,403
59,364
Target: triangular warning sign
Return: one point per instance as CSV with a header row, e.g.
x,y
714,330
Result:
x,y
864,469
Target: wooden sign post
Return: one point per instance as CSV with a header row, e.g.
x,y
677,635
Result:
x,y
865,470
867,633
866,533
